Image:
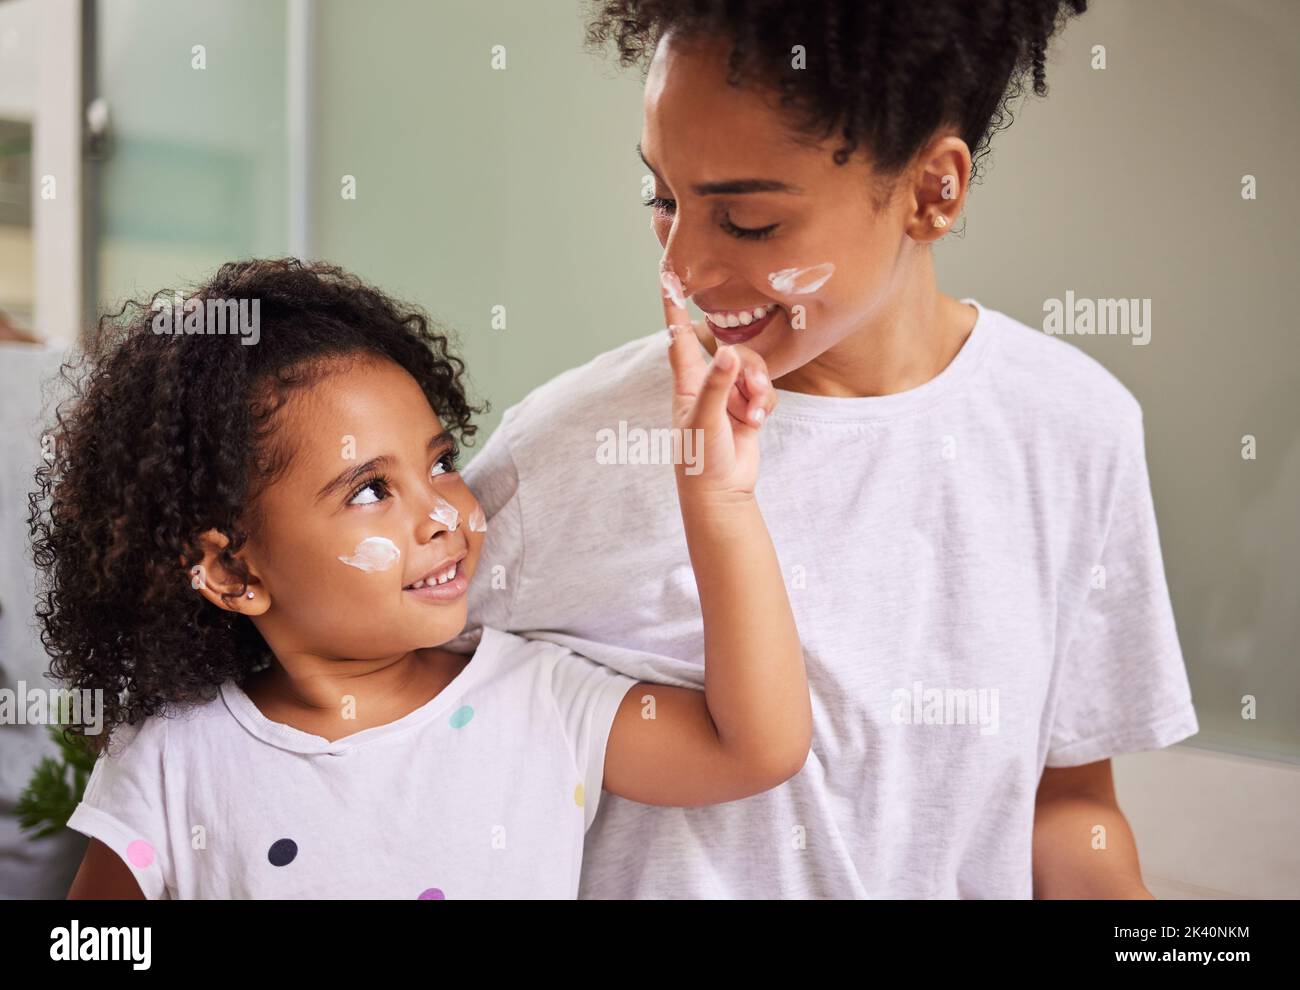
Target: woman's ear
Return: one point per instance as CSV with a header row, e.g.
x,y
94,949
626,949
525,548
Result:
x,y
213,580
940,186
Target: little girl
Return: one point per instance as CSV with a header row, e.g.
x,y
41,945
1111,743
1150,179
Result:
x,y
255,545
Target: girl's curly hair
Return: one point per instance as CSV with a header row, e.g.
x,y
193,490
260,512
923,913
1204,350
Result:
x,y
887,73
166,436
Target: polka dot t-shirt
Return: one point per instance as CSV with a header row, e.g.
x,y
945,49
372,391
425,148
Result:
x,y
486,791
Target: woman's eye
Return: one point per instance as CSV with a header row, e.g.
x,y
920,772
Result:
x,y
749,233
668,207
374,490
661,205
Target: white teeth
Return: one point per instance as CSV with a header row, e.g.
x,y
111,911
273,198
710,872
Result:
x,y
740,317
442,578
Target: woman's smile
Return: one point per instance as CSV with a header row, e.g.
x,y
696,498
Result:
x,y
736,326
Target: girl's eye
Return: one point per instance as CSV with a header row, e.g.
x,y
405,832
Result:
x,y
376,489
446,464
668,207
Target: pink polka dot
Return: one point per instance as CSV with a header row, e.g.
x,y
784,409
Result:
x,y
432,894
140,854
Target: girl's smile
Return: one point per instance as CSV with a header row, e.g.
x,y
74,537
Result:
x,y
444,583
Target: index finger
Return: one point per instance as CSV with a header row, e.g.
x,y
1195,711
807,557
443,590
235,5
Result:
x,y
683,352
674,300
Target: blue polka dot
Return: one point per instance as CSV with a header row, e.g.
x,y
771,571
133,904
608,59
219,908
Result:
x,y
282,852
460,718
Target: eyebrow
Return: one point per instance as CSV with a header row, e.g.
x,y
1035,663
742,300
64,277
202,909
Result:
x,y
730,187
437,443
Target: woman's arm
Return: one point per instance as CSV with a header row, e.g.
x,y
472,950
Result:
x,y
751,729
1068,862
103,876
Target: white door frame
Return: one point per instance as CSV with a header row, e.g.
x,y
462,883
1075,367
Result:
x,y
57,194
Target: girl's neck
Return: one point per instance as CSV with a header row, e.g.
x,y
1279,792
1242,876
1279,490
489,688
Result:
x,y
336,698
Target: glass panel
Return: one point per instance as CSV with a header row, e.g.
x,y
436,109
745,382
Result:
x,y
195,169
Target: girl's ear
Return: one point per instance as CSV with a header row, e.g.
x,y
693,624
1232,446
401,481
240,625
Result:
x,y
211,579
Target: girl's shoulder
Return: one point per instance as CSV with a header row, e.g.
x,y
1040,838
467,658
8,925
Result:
x,y
169,726
503,654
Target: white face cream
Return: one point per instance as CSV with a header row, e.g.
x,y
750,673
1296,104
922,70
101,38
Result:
x,y
444,512
672,288
374,553
477,521
800,281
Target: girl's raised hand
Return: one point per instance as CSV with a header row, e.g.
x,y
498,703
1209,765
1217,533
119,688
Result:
x,y
723,402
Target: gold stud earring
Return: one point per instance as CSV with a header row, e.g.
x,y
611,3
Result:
x,y
939,220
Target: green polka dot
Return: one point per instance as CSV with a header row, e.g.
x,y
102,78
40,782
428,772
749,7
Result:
x,y
461,716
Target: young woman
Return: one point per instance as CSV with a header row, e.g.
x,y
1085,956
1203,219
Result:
x,y
960,503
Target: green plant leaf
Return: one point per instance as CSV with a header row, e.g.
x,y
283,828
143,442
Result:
x,y
55,787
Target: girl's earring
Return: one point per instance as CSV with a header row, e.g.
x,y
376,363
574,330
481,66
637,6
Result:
x,y
250,595
940,220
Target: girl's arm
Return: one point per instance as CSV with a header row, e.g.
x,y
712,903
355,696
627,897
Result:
x,y
103,877
751,728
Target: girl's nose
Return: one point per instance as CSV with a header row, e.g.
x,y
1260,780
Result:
x,y
440,516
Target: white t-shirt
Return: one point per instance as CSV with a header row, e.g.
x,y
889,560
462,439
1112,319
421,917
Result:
x,y
485,791
976,576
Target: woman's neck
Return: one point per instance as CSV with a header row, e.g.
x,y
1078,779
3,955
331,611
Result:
x,y
904,345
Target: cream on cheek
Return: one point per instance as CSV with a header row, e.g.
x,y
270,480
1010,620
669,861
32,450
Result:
x,y
800,281
477,521
374,553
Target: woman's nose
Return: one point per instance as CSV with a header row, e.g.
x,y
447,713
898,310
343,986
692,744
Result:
x,y
687,257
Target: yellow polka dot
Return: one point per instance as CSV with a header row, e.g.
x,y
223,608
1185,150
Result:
x,y
578,797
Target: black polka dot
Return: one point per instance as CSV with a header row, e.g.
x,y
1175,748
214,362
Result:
x,y
282,852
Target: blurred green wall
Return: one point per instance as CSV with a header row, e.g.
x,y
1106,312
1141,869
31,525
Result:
x,y
478,187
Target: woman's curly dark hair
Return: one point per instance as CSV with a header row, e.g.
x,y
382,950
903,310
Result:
x,y
166,436
887,73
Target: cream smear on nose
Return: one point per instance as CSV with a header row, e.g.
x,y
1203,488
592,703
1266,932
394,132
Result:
x,y
444,512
